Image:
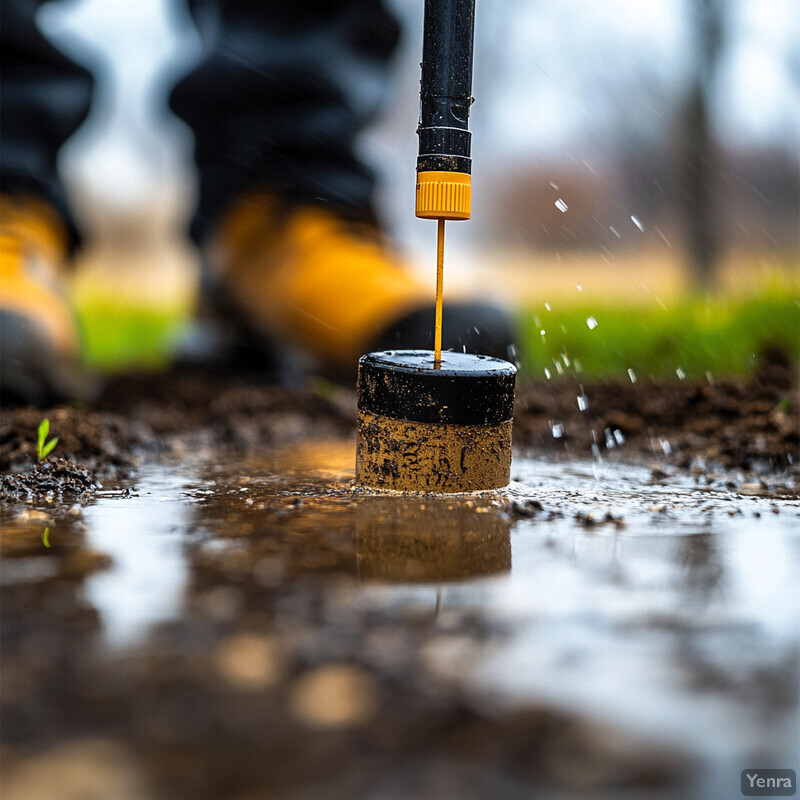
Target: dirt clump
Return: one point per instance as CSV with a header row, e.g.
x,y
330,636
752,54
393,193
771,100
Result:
x,y
53,480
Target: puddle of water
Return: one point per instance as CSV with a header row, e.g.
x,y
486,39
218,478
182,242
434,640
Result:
x,y
671,610
144,536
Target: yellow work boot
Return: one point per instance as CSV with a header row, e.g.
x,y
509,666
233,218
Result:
x,y
333,287
38,333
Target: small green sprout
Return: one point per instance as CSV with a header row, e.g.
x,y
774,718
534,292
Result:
x,y
44,448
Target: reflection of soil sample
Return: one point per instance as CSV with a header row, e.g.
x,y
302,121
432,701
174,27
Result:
x,y
435,539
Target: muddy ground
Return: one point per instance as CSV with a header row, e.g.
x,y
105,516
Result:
x,y
288,668
730,424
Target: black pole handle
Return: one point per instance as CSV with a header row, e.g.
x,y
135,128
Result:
x,y
446,86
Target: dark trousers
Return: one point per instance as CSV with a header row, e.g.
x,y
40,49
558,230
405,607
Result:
x,y
277,101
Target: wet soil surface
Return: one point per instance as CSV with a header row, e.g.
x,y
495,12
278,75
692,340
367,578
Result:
x,y
220,613
730,423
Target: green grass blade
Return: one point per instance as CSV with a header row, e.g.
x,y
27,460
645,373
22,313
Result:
x,y
43,430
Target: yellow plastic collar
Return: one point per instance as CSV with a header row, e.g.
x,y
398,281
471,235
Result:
x,y
444,195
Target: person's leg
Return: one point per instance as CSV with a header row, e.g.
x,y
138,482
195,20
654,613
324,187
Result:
x,y
44,97
276,107
280,97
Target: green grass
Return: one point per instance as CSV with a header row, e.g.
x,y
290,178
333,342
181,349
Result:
x,y
116,337
723,336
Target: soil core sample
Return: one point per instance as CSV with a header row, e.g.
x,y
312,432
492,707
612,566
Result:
x,y
434,427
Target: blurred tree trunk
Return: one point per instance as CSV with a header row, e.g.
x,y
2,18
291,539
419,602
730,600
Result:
x,y
699,159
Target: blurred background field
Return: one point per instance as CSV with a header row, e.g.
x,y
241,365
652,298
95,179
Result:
x,y
634,164
663,330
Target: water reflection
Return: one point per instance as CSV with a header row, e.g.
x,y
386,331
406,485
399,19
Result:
x,y
702,565
295,512
667,621
430,541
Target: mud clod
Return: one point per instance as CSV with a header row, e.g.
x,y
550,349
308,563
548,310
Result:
x,y
53,480
525,510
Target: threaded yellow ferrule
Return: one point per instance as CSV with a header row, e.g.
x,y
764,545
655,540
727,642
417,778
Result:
x,y
444,195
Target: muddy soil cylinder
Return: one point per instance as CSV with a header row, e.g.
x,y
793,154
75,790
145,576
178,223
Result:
x,y
428,429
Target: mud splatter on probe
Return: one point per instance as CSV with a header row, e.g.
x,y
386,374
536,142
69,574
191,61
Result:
x,y
444,190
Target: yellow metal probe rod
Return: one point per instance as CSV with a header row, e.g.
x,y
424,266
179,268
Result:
x,y
437,337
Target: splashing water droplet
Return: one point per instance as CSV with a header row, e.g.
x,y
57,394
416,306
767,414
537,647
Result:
x,y
591,323
547,306
579,287
663,237
618,436
542,331
553,185
632,375
680,373
547,373
559,368
610,441
709,377
614,231
665,446
565,359
583,400
561,206
557,429
635,221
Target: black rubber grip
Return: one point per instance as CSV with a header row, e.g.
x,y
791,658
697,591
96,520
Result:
x,y
446,83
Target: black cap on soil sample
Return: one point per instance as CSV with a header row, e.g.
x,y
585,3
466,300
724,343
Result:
x,y
466,390
424,428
